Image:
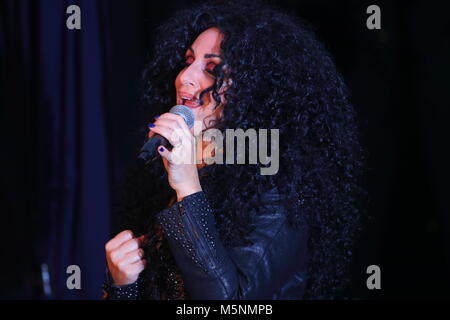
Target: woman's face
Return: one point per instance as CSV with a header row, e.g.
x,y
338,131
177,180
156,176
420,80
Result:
x,y
201,58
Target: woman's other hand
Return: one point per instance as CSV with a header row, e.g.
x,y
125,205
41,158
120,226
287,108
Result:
x,y
124,256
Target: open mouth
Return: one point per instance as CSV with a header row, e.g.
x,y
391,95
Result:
x,y
190,103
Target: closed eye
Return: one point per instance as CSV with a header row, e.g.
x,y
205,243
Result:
x,y
209,67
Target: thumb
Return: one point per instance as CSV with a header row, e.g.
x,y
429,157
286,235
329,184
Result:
x,y
166,154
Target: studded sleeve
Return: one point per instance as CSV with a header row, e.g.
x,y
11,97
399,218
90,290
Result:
x,y
211,271
112,291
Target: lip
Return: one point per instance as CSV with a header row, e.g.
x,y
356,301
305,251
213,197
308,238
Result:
x,y
181,93
191,104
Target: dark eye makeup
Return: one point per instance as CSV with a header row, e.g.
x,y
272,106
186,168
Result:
x,y
210,67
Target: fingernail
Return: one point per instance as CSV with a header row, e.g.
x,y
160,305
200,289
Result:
x,y
161,149
156,117
151,125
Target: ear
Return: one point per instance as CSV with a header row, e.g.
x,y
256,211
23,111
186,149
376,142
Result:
x,y
229,83
225,85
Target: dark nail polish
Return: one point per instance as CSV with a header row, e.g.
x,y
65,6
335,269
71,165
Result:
x,y
161,149
151,125
156,117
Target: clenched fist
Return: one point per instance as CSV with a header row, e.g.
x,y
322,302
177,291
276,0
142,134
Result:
x,y
124,256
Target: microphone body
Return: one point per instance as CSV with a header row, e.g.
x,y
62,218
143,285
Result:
x,y
148,152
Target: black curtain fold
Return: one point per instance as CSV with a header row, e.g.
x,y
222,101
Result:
x,y
54,93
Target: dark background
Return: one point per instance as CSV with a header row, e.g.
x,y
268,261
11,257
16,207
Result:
x,y
69,128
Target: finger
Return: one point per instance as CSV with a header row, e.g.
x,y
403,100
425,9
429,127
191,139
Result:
x,y
131,257
182,129
176,123
180,123
173,136
177,118
131,271
166,122
163,131
118,240
138,266
130,245
166,154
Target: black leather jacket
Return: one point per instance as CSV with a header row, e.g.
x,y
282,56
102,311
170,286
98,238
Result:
x,y
273,267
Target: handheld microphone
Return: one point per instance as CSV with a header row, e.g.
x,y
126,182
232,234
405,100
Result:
x,y
148,151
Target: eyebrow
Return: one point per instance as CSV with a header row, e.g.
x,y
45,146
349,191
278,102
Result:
x,y
207,55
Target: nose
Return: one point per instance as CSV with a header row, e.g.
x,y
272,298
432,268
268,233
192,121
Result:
x,y
188,83
189,78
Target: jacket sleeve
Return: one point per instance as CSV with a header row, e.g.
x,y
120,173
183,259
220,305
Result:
x,y
112,291
256,271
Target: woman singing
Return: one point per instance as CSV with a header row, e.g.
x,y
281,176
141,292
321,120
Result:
x,y
226,231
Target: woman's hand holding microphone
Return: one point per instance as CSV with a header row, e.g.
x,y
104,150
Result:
x,y
180,163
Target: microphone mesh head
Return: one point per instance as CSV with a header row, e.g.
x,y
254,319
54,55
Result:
x,y
185,112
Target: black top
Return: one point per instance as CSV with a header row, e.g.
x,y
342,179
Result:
x,y
272,267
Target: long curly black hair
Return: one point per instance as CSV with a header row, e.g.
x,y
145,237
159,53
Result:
x,y
283,78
